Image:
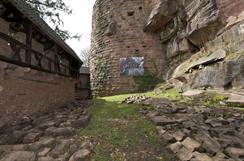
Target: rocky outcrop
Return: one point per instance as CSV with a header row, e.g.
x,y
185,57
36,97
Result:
x,y
218,64
186,27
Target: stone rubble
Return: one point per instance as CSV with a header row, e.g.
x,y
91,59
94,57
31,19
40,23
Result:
x,y
135,99
197,133
47,137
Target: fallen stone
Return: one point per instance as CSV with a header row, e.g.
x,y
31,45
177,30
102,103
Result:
x,y
160,130
235,153
221,157
17,147
192,92
167,136
60,148
208,143
46,159
161,120
31,137
201,157
179,136
81,122
43,142
214,123
152,114
1,88
80,155
175,147
44,152
184,154
191,144
61,131
19,156
46,125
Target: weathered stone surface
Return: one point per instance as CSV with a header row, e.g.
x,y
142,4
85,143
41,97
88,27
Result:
x,y
193,92
202,134
215,56
221,157
175,147
31,137
191,144
161,120
63,131
46,159
208,143
235,153
41,138
81,122
44,152
184,154
178,135
60,148
80,155
19,156
161,14
201,157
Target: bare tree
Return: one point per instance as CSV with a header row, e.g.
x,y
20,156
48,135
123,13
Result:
x,y
50,10
85,56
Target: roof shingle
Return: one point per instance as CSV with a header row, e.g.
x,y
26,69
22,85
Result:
x,y
32,15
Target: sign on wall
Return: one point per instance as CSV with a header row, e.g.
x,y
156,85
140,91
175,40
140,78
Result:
x,y
132,66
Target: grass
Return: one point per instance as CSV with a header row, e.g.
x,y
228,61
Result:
x,y
121,133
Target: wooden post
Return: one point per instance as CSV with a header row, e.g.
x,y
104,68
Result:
x,y
28,43
56,59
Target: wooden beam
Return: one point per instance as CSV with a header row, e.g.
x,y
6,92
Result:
x,y
29,32
57,67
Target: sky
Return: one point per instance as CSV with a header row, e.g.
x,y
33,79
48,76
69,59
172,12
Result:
x,y
79,22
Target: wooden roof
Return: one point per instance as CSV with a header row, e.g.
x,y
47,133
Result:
x,y
46,30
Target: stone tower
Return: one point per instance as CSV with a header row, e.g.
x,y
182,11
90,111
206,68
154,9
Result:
x,y
121,49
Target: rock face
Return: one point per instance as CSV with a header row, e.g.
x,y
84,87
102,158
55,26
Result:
x,y
202,32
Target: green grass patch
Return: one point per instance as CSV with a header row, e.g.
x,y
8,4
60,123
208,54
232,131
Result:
x,y
122,133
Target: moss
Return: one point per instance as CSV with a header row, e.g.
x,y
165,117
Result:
x,y
146,82
121,141
209,99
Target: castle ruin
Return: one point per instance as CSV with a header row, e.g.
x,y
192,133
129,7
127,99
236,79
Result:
x,y
149,39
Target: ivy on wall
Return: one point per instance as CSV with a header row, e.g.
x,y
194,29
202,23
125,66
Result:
x,y
102,73
146,81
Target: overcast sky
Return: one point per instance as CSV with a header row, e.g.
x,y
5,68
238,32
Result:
x,y
79,22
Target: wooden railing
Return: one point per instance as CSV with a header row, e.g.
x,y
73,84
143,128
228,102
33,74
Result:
x,y
42,62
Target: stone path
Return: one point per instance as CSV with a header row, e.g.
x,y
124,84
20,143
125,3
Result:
x,y
195,133
47,137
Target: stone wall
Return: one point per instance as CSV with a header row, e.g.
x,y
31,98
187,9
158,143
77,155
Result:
x,y
24,92
118,33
